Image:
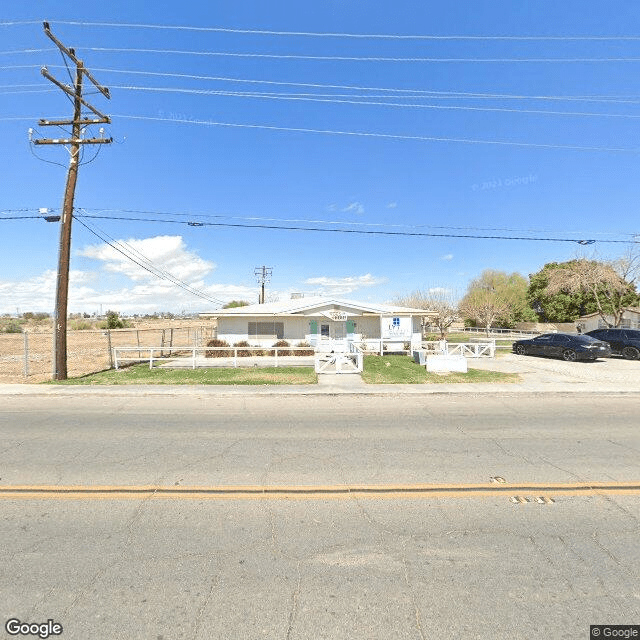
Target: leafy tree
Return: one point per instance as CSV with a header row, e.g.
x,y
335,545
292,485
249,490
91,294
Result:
x,y
236,303
497,298
564,291
559,307
114,321
610,292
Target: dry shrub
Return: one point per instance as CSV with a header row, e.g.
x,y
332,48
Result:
x,y
306,352
218,353
282,352
245,353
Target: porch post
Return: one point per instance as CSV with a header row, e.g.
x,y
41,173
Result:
x,y
381,344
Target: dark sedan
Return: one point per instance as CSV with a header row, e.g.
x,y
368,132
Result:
x,y
567,346
623,342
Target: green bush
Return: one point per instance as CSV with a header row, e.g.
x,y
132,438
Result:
x,y
13,326
81,325
113,320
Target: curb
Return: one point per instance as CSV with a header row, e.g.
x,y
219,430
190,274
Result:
x,y
133,391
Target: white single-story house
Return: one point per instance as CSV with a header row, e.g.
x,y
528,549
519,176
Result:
x,y
325,323
630,320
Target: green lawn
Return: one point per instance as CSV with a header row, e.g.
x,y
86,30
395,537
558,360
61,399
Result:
x,y
141,374
403,370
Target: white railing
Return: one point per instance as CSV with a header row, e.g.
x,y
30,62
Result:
x,y
468,349
272,352
472,349
504,332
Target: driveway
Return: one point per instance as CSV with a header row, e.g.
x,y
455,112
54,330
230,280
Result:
x,y
551,370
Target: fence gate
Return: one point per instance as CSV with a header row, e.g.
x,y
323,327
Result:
x,y
338,363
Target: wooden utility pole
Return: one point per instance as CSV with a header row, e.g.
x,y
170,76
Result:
x,y
263,274
78,124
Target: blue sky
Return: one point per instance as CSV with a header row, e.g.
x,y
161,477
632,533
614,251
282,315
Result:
x,y
427,159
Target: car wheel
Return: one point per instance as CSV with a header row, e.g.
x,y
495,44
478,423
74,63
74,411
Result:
x,y
569,355
631,353
521,351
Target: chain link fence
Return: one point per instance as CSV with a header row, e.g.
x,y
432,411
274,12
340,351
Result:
x,y
28,357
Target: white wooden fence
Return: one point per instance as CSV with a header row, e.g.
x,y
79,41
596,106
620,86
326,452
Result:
x,y
179,354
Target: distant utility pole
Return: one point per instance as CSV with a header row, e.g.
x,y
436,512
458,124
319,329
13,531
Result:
x,y
79,124
263,274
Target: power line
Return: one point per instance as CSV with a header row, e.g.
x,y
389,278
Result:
x,y
143,262
10,53
277,56
361,231
335,35
356,223
417,92
366,134
267,96
191,223
18,217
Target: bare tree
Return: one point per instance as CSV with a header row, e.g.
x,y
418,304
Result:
x,y
441,301
605,281
484,306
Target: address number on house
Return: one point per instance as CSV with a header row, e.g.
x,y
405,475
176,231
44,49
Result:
x,y
338,316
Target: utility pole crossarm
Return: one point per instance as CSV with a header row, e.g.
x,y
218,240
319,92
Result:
x,y
67,123
74,141
72,56
71,92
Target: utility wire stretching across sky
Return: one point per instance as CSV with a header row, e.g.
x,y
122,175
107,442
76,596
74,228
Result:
x,y
142,261
315,34
358,231
362,134
355,223
234,54
632,99
367,134
277,56
328,100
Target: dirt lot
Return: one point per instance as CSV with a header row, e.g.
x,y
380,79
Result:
x,y
88,351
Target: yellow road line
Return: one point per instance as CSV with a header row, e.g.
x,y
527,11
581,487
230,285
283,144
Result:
x,y
484,490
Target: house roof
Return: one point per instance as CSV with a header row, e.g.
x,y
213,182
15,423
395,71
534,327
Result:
x,y
302,305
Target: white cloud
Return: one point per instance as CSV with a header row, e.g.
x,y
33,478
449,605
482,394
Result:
x,y
354,207
38,292
392,205
347,284
448,256
168,253
136,291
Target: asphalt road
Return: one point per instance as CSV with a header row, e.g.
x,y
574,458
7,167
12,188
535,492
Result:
x,y
406,565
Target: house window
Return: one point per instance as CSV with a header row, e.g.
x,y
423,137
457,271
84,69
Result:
x,y
324,330
396,322
266,330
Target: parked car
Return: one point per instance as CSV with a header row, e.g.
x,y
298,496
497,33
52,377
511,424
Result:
x,y
563,345
624,342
